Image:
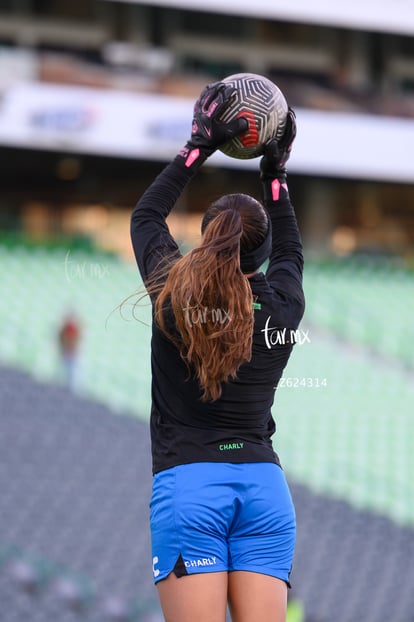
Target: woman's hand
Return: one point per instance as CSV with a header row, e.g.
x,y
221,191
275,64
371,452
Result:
x,y
277,152
208,131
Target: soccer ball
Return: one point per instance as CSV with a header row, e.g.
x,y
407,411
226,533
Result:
x,y
264,106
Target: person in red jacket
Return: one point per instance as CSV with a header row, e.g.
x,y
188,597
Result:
x,y
69,338
222,518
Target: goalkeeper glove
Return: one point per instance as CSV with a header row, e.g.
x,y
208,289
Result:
x,y
277,152
208,131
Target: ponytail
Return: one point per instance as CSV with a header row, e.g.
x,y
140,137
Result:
x,y
212,303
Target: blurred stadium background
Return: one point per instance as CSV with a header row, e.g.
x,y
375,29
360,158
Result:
x,y
95,97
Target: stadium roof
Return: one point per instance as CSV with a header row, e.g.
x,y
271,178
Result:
x,y
371,15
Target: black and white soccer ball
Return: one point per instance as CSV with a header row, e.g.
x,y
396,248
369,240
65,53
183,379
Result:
x,y
264,106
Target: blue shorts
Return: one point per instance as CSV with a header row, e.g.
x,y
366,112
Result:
x,y
211,517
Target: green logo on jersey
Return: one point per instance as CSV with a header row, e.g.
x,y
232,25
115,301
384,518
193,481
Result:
x,y
228,446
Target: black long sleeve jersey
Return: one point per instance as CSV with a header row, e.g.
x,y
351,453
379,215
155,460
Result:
x,y
239,425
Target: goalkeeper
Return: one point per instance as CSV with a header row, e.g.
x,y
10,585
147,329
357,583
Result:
x,y
222,517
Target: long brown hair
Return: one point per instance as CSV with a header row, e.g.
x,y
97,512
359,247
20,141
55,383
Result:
x,y
210,297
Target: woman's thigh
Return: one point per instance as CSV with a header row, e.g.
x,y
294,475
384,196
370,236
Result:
x,y
254,596
194,598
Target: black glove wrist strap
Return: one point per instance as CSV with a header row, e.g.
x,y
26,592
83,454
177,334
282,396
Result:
x,y
194,156
272,188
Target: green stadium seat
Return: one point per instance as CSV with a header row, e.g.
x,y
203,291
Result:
x,y
349,437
